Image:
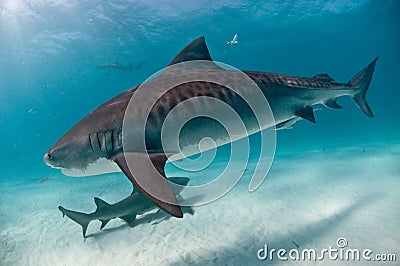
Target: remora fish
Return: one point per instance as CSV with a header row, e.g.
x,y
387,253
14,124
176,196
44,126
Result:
x,y
126,209
94,144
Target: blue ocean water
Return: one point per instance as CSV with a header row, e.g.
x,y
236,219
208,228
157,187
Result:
x,y
50,51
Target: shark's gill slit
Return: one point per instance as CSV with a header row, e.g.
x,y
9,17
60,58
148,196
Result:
x,y
112,140
102,136
94,144
120,138
90,143
98,140
116,145
108,140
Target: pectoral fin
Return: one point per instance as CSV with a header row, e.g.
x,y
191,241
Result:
x,y
130,219
103,223
306,113
148,181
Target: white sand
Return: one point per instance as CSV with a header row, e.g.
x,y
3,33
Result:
x,y
311,198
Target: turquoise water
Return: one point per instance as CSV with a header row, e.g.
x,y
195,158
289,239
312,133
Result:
x,y
50,51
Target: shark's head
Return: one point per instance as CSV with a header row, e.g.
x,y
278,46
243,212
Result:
x,y
88,147
84,150
72,151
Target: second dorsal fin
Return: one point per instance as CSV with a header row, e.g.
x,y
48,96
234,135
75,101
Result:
x,y
324,76
100,203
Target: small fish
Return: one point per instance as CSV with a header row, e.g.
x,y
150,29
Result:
x,y
297,245
44,179
32,111
234,40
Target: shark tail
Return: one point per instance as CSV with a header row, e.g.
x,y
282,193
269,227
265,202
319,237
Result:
x,y
81,218
361,82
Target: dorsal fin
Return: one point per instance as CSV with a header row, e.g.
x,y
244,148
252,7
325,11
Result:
x,y
324,76
100,203
196,50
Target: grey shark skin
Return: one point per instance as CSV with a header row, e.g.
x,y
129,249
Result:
x,y
126,209
98,136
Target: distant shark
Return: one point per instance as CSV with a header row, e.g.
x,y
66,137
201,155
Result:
x,y
126,209
94,145
119,67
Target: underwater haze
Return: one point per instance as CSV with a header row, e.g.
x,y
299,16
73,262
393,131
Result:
x,y
338,178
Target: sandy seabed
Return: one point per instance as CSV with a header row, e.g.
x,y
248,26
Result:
x,y
308,201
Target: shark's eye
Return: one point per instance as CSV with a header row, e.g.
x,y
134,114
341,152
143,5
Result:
x,y
49,156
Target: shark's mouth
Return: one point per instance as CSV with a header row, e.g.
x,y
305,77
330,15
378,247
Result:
x,y
50,165
98,167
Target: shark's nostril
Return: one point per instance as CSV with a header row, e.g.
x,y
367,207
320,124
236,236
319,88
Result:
x,y
47,157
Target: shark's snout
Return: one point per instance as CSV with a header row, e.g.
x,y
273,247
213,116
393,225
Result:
x,y
47,159
50,161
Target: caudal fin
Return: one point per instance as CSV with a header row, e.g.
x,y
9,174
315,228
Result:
x,y
361,82
81,218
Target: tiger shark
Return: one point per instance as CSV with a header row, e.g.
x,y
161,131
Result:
x,y
95,144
